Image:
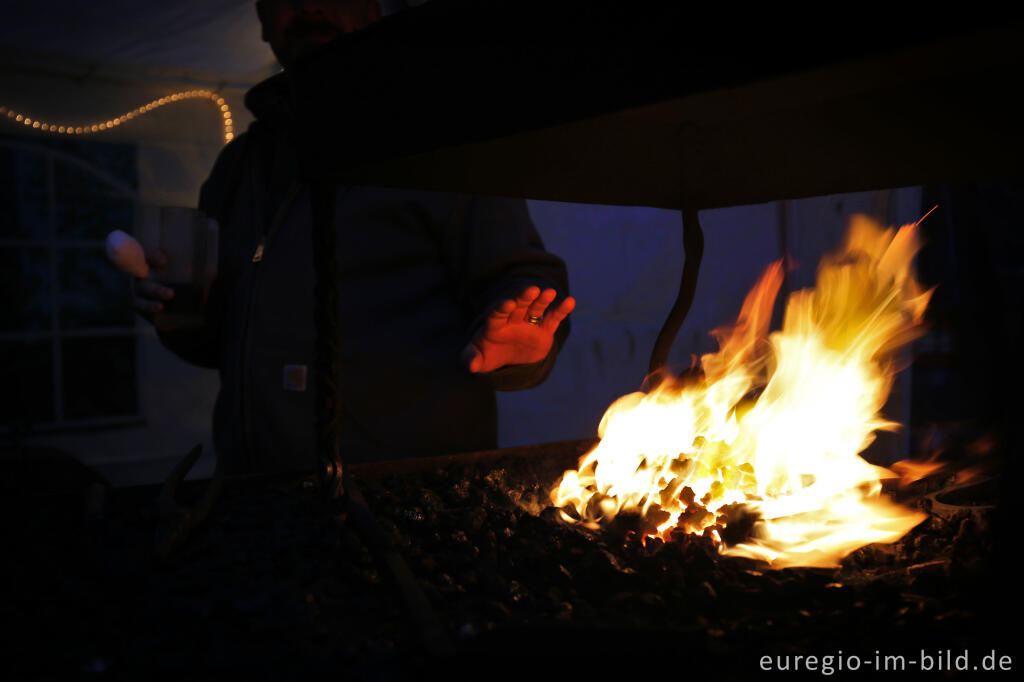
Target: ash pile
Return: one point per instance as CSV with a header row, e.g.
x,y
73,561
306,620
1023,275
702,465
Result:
x,y
274,582
505,573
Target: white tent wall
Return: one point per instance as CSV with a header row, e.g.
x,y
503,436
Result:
x,y
207,41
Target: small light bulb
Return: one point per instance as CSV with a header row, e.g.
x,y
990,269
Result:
x,y
78,130
19,117
36,124
95,128
60,130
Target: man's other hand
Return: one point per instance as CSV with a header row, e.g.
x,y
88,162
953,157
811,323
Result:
x,y
508,337
148,294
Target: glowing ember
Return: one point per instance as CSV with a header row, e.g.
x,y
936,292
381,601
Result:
x,y
773,428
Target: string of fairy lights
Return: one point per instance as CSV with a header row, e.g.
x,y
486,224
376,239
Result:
x,y
109,124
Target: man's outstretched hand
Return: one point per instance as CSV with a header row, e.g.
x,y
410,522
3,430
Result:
x,y
509,338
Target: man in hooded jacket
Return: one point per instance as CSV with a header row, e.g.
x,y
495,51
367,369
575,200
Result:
x,y
443,297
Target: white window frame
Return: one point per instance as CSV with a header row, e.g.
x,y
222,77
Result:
x,y
55,334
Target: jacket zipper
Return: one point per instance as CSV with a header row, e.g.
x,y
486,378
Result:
x,y
279,216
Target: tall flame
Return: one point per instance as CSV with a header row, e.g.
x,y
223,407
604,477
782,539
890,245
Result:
x,y
773,427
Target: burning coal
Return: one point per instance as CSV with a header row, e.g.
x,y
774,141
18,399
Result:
x,y
769,436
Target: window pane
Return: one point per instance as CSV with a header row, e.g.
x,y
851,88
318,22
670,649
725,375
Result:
x,y
92,292
99,377
23,203
86,206
9,223
25,282
27,395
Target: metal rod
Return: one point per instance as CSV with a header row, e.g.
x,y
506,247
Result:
x,y
335,479
179,521
328,331
693,244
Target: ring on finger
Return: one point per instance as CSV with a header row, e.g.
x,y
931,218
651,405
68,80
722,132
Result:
x,y
533,319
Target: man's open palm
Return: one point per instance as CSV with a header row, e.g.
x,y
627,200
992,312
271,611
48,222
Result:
x,y
509,337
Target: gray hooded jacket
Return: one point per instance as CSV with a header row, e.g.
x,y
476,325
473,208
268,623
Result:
x,y
418,272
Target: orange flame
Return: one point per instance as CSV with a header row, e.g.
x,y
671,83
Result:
x,y
775,425
911,470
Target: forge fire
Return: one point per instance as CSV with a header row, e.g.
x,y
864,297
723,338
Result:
x,y
761,448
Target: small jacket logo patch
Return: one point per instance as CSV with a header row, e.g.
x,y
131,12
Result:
x,y
295,377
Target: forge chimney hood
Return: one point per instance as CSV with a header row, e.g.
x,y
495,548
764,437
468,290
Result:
x,y
652,105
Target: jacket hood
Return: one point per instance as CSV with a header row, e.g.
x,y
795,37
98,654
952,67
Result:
x,y
270,101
